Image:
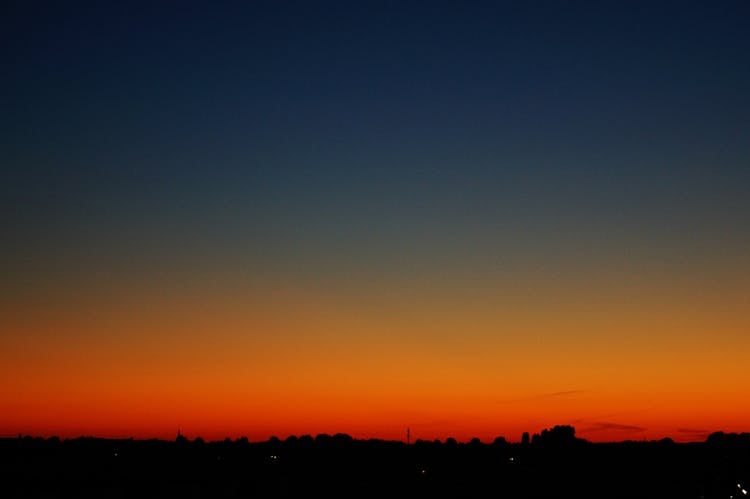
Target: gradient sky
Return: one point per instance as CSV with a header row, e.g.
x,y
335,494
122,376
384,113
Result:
x,y
472,219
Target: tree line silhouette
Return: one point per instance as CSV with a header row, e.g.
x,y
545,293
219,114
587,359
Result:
x,y
552,463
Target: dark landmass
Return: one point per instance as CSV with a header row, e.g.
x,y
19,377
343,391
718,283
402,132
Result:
x,y
554,463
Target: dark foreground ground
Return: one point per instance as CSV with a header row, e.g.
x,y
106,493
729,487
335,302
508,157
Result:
x,y
339,466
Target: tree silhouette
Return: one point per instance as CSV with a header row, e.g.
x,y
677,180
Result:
x,y
525,439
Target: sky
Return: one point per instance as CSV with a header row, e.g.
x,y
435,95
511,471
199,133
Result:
x,y
469,219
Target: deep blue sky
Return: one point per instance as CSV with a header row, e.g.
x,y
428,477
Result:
x,y
277,132
119,98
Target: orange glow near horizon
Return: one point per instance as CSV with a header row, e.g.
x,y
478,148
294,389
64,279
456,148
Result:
x,y
326,364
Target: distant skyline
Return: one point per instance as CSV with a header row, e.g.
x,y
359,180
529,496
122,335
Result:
x,y
472,219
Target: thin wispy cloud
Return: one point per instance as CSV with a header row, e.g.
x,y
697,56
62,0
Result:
x,y
694,432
